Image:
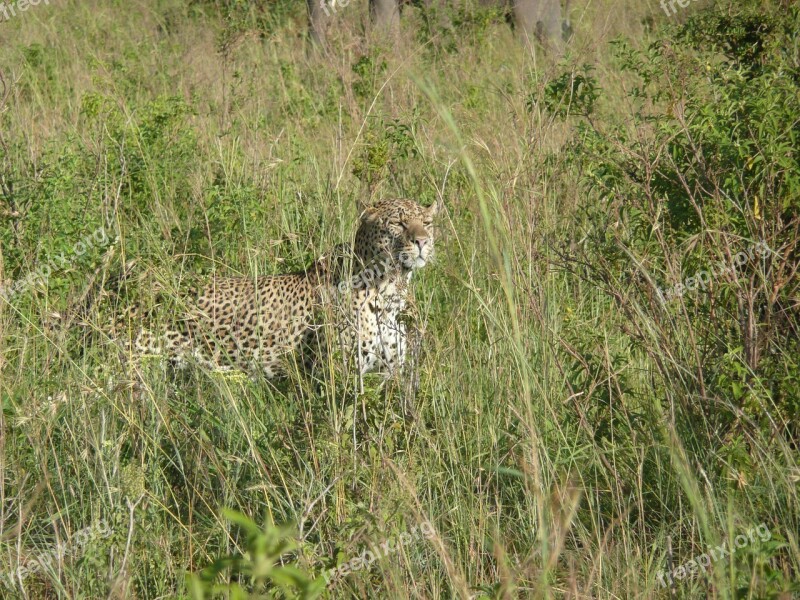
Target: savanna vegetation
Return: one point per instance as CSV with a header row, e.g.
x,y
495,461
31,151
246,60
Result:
x,y
606,387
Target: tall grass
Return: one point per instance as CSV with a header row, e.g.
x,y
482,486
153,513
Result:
x,y
545,427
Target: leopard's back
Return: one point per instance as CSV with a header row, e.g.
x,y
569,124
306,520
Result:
x,y
239,322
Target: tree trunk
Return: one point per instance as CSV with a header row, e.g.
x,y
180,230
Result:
x,y
385,14
319,15
539,19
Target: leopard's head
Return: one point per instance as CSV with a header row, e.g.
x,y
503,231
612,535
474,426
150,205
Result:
x,y
397,230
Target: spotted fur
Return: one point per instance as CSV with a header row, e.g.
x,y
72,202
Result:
x,y
265,323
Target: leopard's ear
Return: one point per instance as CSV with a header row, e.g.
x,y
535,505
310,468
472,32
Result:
x,y
366,213
433,209
364,209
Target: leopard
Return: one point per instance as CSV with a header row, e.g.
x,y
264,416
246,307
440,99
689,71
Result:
x,y
353,299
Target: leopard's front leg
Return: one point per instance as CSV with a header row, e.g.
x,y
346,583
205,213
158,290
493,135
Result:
x,y
381,345
393,346
382,337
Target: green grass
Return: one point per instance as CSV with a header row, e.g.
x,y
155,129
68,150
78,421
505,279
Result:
x,y
567,439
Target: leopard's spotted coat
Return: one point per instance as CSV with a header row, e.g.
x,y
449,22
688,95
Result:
x,y
265,322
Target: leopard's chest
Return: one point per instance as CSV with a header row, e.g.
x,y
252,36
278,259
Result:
x,y
372,328
386,303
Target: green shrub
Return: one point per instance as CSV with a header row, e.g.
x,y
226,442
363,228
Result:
x,y
707,169
262,569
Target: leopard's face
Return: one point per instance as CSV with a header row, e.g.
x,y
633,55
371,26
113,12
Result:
x,y
398,230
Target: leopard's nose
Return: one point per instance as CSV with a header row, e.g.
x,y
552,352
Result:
x,y
421,242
